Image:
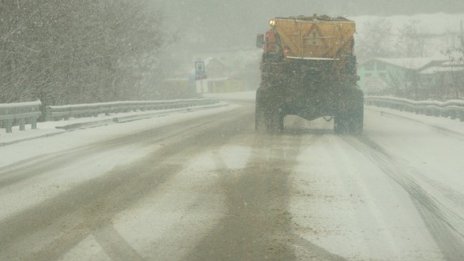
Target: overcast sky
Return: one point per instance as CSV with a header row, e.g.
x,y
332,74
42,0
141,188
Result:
x,y
234,23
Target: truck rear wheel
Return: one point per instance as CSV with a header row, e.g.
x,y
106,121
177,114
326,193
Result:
x,y
260,112
352,120
340,124
276,121
267,117
260,118
268,121
348,124
356,122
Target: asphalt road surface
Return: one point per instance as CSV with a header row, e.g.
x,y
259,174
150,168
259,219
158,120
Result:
x,y
210,188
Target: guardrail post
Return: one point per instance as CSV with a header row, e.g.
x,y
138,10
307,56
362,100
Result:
x,y
33,123
47,114
22,125
9,126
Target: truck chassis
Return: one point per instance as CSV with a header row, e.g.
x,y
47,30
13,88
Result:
x,y
309,88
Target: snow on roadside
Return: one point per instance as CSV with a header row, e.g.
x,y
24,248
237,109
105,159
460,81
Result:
x,y
345,205
51,128
239,96
38,188
46,145
452,125
431,147
430,151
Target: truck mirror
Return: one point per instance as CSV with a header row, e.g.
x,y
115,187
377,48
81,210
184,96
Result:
x,y
260,41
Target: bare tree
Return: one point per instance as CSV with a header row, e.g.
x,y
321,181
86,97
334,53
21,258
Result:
x,y
410,42
375,41
453,79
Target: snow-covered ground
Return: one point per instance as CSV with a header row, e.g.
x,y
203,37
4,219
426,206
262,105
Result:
x,y
440,123
393,194
203,186
22,195
238,96
51,128
47,144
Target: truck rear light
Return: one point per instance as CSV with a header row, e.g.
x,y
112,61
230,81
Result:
x,y
271,42
286,51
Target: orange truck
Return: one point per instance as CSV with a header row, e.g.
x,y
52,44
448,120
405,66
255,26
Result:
x,y
308,69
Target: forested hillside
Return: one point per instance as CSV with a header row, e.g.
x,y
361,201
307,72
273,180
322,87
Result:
x,y
78,51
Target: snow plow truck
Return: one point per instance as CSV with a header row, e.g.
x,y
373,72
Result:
x,y
308,69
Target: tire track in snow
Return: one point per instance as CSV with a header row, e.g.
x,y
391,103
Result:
x,y
86,209
257,223
444,224
451,194
43,164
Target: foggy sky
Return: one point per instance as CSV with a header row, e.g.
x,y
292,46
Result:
x,y
213,24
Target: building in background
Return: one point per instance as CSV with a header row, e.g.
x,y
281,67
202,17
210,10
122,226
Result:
x,y
444,81
221,78
416,78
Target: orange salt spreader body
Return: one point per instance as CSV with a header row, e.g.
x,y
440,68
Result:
x,y
308,69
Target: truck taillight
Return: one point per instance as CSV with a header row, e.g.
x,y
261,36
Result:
x,y
271,41
270,36
286,51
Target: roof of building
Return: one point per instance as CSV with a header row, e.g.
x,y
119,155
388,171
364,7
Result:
x,y
454,63
438,69
410,63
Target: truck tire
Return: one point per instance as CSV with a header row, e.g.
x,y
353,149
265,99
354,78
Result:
x,y
340,124
351,121
276,121
356,121
268,118
261,112
268,121
260,118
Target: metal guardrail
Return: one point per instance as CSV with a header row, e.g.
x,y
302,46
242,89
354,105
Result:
x,y
54,113
453,109
19,114
14,114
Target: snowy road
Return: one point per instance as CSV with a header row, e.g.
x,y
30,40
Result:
x,y
204,186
